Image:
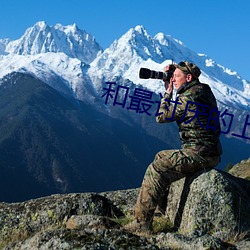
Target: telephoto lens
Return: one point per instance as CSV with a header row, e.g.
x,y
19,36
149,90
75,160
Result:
x,y
145,73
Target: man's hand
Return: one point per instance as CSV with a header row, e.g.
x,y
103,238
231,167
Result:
x,y
168,85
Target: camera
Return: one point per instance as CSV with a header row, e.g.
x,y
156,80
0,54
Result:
x,y
145,73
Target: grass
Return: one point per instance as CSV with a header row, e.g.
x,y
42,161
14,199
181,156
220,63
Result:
x,y
15,236
123,220
160,223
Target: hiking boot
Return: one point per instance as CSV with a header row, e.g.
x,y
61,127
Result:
x,y
140,227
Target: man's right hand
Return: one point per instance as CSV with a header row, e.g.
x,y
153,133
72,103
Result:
x,y
168,85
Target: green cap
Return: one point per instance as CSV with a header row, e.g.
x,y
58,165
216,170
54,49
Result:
x,y
189,68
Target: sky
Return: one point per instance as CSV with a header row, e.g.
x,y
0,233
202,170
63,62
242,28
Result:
x,y
217,28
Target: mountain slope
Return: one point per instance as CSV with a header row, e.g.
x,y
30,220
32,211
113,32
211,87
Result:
x,y
66,138
52,144
65,74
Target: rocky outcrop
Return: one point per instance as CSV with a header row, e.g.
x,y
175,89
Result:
x,y
209,210
71,221
241,169
211,202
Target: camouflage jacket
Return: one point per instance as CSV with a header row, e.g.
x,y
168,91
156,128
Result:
x,y
194,111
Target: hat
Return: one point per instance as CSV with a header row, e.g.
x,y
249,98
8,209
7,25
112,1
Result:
x,y
189,68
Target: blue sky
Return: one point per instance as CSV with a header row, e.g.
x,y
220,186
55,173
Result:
x,y
218,28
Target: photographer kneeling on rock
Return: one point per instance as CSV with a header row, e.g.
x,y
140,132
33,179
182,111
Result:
x,y
194,110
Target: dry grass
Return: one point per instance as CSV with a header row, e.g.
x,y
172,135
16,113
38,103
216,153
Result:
x,y
238,237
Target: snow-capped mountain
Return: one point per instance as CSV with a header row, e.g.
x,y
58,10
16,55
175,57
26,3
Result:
x,y
41,38
72,55
137,49
48,139
57,55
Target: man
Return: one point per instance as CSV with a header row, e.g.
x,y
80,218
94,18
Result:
x,y
194,110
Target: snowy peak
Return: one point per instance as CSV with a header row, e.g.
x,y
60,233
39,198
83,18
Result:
x,y
137,46
134,47
167,40
42,38
141,43
35,40
73,54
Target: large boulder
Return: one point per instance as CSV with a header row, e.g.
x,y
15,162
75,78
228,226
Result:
x,y
210,202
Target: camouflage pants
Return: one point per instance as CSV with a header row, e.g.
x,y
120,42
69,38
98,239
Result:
x,y
167,167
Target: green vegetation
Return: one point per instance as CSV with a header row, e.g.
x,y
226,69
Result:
x,y
123,220
160,223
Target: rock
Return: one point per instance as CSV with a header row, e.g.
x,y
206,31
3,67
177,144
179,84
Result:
x,y
243,245
209,210
212,202
20,220
241,169
90,221
85,239
178,241
124,199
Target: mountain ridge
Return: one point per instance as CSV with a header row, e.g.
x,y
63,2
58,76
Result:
x,y
135,49
148,52
57,142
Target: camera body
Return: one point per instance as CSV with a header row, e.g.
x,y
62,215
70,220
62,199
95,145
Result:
x,y
146,73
